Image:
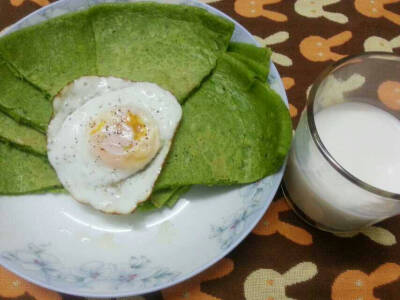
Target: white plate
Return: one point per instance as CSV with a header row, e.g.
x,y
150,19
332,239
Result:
x,y
57,243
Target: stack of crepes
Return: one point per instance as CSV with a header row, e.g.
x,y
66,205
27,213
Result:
x,y
234,129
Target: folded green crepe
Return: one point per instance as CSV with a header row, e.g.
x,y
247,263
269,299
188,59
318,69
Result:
x,y
23,173
23,102
261,71
177,194
257,54
158,199
242,131
258,61
54,53
166,197
21,136
174,46
255,58
161,197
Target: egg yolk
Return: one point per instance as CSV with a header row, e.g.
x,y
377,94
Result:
x,y
124,139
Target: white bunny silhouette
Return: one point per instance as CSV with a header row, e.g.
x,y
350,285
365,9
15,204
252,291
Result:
x,y
315,9
379,235
269,284
376,43
335,89
276,38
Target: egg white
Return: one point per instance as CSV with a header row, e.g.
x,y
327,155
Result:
x,y
88,179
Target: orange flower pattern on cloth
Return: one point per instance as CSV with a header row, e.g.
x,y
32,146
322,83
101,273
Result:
x,y
376,9
11,286
354,284
267,284
271,224
316,48
191,290
255,8
389,94
38,2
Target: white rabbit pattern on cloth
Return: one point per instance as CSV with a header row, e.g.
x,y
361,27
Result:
x,y
376,43
315,9
273,39
266,284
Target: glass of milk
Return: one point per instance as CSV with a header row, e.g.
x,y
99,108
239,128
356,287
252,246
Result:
x,y
343,170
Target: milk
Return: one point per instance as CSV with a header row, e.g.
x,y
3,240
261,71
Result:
x,y
364,140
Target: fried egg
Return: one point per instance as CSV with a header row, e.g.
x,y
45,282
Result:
x,y
109,138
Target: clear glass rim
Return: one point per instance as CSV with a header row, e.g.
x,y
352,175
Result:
x,y
317,140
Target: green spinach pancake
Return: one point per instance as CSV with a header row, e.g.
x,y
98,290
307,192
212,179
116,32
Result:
x,y
234,129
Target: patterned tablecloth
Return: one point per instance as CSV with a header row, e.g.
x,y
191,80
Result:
x,y
283,258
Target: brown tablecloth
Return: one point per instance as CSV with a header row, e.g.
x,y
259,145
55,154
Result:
x,y
283,258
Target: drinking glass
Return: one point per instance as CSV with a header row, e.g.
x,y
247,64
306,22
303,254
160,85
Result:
x,y
316,184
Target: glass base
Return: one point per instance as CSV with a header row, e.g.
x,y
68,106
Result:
x,y
305,218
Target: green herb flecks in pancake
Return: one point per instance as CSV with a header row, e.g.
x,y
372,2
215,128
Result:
x,y
23,102
234,130
54,53
24,173
172,45
22,136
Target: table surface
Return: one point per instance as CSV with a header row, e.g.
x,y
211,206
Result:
x,y
283,258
